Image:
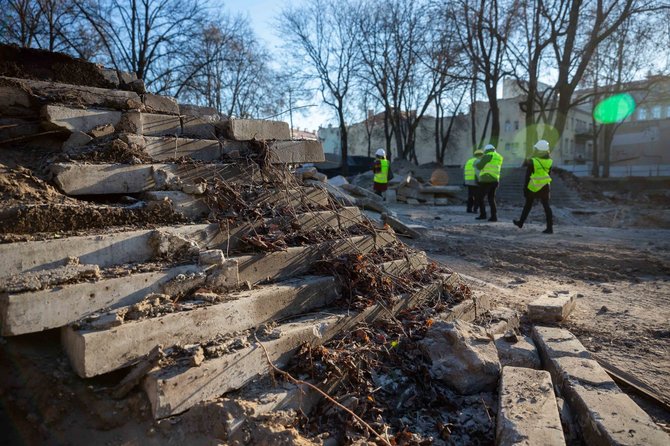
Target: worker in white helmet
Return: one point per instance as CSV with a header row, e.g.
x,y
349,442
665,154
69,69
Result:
x,y
382,172
489,167
470,181
538,179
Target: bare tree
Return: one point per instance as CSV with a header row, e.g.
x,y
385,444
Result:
x,y
21,22
486,26
143,36
323,33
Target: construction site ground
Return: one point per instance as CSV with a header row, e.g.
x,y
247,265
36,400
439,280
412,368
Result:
x,y
613,260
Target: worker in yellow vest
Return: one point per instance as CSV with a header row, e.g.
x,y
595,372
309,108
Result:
x,y
488,179
381,169
470,180
538,179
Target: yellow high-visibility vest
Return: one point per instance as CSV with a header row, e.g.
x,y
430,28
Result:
x,y
493,167
469,171
540,176
383,176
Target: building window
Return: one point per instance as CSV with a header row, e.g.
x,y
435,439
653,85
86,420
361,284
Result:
x,y
516,125
508,126
656,112
642,114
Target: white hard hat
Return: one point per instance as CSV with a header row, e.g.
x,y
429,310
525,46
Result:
x,y
489,147
542,145
380,152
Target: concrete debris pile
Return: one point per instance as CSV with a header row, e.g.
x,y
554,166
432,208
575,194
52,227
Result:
x,y
167,267
174,249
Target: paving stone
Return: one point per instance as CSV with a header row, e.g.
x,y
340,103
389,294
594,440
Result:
x,y
527,410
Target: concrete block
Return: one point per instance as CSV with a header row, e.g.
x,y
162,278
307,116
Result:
x,y
211,257
39,280
160,104
195,127
246,129
605,414
335,192
149,124
338,181
554,342
101,179
519,353
412,201
358,191
391,196
110,76
441,202
103,250
527,410
296,152
197,111
551,309
24,94
76,139
15,102
59,117
173,390
41,310
92,352
162,149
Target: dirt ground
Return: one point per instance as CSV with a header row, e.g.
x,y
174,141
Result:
x,y
619,275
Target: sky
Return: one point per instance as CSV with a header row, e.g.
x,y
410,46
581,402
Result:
x,y
261,14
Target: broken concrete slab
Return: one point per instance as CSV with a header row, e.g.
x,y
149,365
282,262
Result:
x,y
154,103
77,139
296,152
358,191
41,310
26,94
297,260
102,179
554,342
102,250
191,206
519,352
338,181
200,127
551,309
335,192
527,410
501,319
399,226
462,356
246,129
95,352
175,389
39,280
166,148
57,117
605,414
149,124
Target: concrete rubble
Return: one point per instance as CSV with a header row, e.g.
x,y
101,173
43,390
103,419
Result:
x,y
191,265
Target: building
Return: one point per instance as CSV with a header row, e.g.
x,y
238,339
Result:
x,y
639,146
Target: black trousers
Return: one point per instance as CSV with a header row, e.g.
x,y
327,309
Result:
x,y
543,196
473,205
487,190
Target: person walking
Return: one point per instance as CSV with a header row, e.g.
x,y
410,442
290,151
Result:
x,y
538,179
381,168
489,167
470,180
